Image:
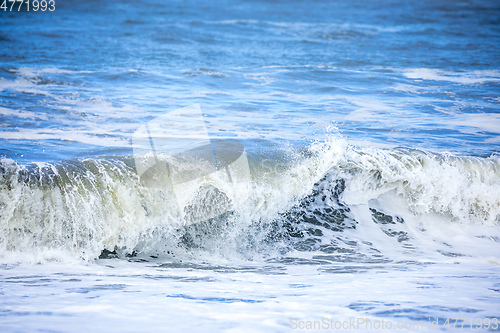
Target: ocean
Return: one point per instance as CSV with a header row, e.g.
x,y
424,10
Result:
x,y
250,166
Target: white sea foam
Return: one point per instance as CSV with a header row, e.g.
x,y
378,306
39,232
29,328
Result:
x,y
466,188
488,122
30,72
22,114
93,137
20,84
471,77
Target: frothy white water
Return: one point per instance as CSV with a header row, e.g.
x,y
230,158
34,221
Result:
x,y
374,200
465,188
472,77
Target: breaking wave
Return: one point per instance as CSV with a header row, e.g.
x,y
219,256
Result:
x,y
328,201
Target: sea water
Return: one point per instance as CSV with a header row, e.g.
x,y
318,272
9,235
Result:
x,y
371,133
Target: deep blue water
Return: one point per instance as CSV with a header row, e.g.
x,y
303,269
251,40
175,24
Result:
x,y
417,74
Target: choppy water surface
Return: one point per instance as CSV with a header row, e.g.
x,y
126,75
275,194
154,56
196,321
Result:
x,y
371,131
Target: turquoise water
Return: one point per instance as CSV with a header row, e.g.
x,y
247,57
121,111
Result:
x,y
371,132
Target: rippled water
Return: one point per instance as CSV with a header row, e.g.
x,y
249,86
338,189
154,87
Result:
x,y
371,131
